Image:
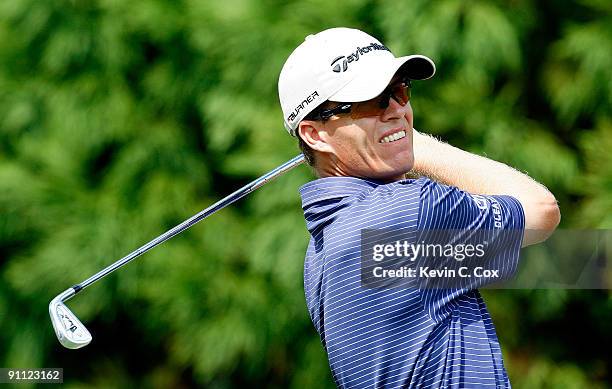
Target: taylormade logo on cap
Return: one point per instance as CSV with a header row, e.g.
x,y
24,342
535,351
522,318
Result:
x,y
354,57
340,64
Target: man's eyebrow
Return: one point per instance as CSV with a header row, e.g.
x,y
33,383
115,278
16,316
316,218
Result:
x,y
330,104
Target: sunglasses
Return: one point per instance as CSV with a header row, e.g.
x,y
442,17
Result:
x,y
399,92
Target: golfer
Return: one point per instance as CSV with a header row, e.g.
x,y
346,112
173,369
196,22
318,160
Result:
x,y
346,98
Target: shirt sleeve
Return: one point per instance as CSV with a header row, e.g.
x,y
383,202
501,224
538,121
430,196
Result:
x,y
454,217
448,207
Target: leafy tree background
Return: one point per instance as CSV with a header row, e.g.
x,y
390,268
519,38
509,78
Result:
x,y
120,119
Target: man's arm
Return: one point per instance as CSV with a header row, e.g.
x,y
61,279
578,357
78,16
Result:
x,y
479,175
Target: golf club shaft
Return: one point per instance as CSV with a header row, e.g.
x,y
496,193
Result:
x,y
248,188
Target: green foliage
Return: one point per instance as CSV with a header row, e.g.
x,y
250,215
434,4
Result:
x,y
120,119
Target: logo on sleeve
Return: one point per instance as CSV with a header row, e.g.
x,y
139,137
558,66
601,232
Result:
x,y
497,215
481,202
485,203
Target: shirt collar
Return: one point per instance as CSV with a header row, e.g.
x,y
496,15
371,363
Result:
x,y
334,187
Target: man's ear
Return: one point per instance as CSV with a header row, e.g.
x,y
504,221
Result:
x,y
314,135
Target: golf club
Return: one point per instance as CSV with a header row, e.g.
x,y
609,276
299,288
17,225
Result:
x,y
71,332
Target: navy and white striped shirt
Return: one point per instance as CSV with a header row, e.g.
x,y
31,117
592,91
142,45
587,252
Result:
x,y
414,338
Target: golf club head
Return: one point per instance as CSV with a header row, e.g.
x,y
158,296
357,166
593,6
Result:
x,y
70,331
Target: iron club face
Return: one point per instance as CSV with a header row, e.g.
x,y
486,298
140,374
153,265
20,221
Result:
x,y
70,331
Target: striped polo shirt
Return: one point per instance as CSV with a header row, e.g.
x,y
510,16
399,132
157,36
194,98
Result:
x,y
402,337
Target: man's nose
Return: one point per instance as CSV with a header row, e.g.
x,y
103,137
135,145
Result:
x,y
394,110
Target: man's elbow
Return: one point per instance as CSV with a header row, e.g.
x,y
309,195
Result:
x,y
541,219
549,213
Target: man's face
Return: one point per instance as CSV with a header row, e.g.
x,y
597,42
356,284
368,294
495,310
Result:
x,y
361,147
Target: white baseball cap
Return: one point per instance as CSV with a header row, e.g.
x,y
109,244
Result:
x,y
340,64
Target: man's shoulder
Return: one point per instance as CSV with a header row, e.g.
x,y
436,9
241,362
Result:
x,y
340,187
341,206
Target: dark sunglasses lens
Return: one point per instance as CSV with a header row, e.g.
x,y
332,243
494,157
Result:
x,y
401,93
377,105
367,109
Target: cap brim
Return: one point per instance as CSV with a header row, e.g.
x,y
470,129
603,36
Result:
x,y
371,82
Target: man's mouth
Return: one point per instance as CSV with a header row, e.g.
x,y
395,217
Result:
x,y
393,137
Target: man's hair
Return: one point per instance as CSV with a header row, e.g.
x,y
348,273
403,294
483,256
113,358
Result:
x,y
308,152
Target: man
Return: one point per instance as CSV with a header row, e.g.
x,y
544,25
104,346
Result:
x,y
346,97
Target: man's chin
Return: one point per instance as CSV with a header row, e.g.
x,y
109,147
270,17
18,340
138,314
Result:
x,y
399,171
402,164
394,173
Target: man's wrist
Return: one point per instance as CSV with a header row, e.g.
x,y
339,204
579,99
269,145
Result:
x,y
421,148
